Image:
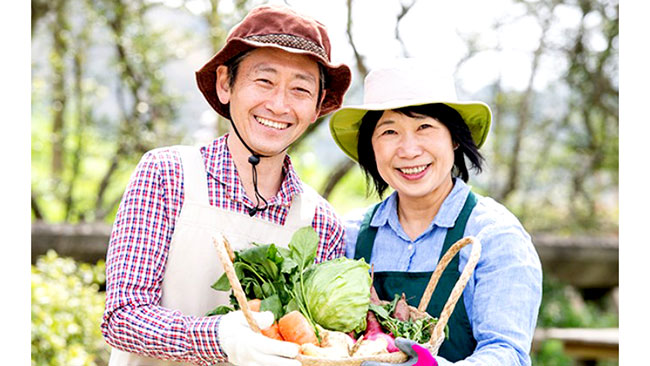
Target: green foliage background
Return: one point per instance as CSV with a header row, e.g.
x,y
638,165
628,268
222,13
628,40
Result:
x,y
66,312
552,154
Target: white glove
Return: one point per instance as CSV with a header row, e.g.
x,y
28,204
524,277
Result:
x,y
244,347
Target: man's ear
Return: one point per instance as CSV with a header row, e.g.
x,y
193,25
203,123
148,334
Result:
x,y
223,84
319,105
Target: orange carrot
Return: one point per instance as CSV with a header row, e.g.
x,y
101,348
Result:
x,y
273,332
255,304
294,327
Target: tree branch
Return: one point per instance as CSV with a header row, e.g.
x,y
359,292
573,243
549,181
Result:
x,y
524,112
361,66
339,172
400,16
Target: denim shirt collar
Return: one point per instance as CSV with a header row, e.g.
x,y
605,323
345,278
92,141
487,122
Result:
x,y
446,217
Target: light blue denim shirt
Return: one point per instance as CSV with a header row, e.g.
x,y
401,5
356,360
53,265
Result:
x,y
502,297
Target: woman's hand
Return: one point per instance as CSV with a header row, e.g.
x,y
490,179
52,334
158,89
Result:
x,y
418,355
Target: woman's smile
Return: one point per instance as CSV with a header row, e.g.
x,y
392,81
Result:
x,y
414,172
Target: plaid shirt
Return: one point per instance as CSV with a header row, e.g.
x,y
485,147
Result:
x,y
133,320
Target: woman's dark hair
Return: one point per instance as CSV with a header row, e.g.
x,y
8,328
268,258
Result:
x,y
460,134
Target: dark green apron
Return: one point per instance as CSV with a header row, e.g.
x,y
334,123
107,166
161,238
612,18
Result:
x,y
461,342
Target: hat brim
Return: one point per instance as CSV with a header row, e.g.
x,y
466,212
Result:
x,y
338,77
345,123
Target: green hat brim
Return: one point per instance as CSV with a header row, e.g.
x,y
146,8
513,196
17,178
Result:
x,y
345,123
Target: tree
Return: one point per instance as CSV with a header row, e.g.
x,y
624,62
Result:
x,y
79,135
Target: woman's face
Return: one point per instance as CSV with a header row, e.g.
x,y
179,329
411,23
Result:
x,y
414,155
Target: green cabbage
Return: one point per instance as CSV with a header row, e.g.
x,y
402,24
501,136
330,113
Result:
x,y
337,294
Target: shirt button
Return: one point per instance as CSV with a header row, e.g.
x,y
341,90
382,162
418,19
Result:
x,y
410,246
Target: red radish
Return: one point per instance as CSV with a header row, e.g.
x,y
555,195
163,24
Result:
x,y
374,298
401,311
374,331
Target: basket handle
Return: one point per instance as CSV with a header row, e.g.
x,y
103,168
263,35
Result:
x,y
438,334
226,256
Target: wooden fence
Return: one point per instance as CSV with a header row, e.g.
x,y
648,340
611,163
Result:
x,y
582,261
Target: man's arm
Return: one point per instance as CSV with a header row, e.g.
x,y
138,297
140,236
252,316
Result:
x,y
133,321
330,231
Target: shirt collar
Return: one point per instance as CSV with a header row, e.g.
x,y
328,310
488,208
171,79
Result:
x,y
446,217
221,167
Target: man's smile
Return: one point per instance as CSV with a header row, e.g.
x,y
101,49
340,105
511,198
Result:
x,y
272,124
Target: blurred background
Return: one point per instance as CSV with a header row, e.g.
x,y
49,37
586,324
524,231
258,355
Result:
x,y
112,79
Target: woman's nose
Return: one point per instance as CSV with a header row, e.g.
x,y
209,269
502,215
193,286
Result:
x,y
409,147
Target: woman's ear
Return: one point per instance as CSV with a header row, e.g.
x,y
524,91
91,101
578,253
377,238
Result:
x,y
223,84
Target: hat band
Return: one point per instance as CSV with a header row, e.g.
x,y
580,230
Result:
x,y
291,41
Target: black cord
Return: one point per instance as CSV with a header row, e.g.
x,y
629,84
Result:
x,y
254,160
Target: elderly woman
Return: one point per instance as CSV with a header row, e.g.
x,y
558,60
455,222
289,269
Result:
x,y
414,136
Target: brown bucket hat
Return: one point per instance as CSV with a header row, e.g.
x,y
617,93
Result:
x,y
283,28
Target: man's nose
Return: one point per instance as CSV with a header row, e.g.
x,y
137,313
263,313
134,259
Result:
x,y
278,102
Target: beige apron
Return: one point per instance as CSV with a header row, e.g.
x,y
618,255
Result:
x,y
192,263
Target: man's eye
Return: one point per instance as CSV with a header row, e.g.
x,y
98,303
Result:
x,y
264,81
303,91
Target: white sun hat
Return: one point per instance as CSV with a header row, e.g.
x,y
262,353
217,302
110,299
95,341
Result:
x,y
407,82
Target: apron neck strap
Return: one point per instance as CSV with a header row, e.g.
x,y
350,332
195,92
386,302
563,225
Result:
x,y
367,233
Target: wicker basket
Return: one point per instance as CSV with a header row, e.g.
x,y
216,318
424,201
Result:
x,y
226,256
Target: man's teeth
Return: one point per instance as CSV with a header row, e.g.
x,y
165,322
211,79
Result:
x,y
414,170
273,124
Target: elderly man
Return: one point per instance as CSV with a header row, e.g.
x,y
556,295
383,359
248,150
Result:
x,y
272,79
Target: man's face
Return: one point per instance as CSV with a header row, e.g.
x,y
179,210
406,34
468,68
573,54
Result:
x,y
274,98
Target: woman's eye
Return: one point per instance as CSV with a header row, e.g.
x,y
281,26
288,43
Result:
x,y
388,132
425,125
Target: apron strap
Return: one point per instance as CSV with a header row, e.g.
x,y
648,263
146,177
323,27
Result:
x,y
366,237
367,233
303,207
195,177
457,232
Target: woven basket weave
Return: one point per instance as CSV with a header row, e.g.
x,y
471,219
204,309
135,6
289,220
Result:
x,y
226,256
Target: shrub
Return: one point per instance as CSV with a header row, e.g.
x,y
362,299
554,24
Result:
x,y
563,307
66,312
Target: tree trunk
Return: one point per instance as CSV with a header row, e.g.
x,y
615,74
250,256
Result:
x,y
59,48
339,172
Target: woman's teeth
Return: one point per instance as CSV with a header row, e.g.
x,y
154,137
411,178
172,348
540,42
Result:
x,y
414,170
272,124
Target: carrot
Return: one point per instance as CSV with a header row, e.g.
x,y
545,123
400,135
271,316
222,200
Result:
x,y
255,304
294,327
273,332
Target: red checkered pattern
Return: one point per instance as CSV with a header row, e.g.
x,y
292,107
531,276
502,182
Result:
x,y
140,240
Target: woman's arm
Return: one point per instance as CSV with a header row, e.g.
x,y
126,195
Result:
x,y
505,292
